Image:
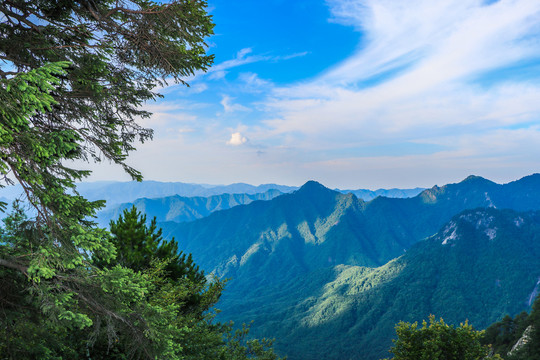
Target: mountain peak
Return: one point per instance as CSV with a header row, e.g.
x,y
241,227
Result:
x,y
471,178
474,181
313,185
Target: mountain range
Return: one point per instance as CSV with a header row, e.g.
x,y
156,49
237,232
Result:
x,y
319,227
116,193
122,192
183,209
285,256
368,195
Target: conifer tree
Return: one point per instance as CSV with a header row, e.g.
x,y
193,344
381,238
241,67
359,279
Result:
x,y
137,244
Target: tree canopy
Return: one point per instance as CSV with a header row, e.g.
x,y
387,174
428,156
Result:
x,y
437,341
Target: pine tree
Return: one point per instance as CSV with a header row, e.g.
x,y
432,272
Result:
x,y
137,244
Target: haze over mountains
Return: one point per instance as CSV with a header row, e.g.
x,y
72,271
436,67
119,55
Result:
x,y
122,192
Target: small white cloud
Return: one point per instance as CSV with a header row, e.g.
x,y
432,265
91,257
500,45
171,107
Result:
x,y
237,139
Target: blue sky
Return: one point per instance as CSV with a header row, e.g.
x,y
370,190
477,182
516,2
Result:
x,y
354,94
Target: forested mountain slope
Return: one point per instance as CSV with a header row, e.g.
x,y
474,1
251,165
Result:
x,y
481,265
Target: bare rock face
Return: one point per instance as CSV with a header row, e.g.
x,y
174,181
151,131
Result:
x,y
522,340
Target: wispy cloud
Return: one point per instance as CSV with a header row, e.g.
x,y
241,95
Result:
x,y
415,73
229,106
243,57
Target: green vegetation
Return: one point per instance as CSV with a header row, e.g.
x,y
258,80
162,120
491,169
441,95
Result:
x,y
504,334
437,341
137,245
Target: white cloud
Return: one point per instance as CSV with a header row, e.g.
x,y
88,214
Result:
x,y
242,58
229,106
460,33
217,75
237,139
251,82
198,88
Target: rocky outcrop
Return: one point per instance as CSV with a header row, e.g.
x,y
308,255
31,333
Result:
x,y
522,340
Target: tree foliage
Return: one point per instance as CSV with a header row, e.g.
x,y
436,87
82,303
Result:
x,y
72,79
183,293
118,51
138,244
437,341
56,303
46,259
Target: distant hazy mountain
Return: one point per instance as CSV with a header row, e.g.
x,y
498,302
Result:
x,y
180,209
307,233
367,195
123,192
